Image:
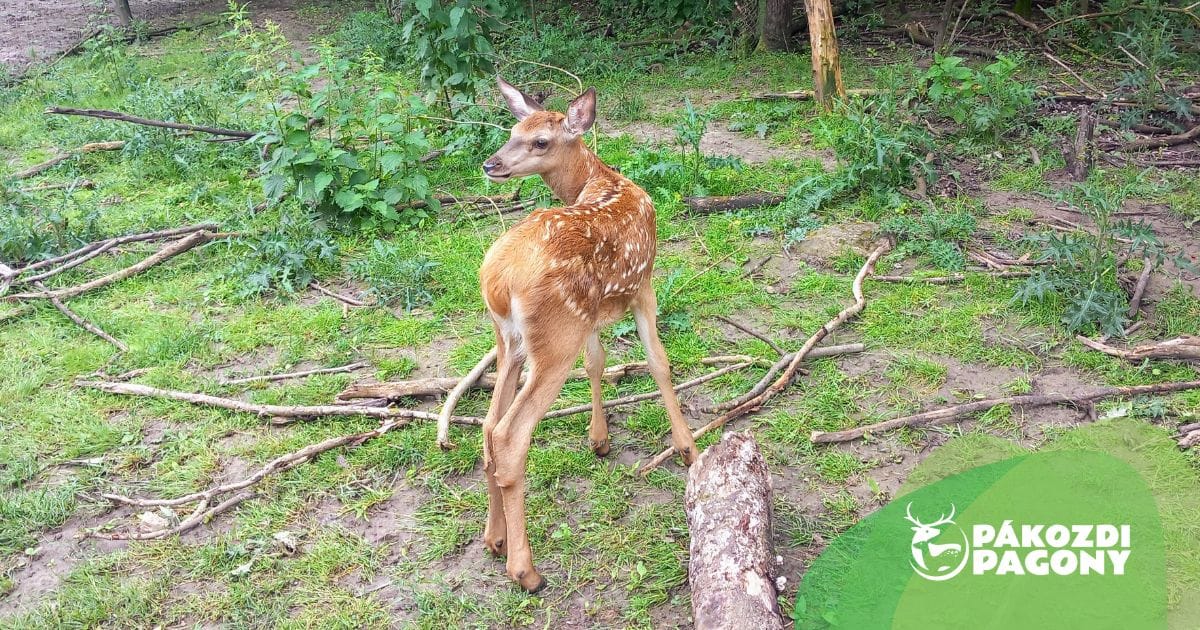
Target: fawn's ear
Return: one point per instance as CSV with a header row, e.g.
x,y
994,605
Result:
x,y
581,113
519,103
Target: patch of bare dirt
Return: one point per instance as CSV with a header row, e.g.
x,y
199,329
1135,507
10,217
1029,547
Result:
x,y
724,143
56,554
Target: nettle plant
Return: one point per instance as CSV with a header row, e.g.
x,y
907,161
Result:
x,y
986,102
350,149
285,259
1083,267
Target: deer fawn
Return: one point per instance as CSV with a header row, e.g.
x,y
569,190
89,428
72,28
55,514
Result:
x,y
551,283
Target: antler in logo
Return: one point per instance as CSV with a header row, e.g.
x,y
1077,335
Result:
x,y
922,542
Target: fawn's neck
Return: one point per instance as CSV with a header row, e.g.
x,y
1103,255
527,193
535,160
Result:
x,y
574,172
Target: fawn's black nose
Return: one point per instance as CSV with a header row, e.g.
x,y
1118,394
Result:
x,y
491,165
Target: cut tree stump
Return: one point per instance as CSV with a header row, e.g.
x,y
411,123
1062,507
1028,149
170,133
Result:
x,y
728,502
827,65
1081,155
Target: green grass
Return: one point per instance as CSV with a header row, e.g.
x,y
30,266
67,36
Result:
x,y
612,544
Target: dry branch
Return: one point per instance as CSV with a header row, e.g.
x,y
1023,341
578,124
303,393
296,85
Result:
x,y
807,95
1139,290
635,398
349,301
950,414
282,377
150,122
1192,135
91,147
119,240
438,385
950,279
174,249
1185,348
467,382
280,464
268,411
712,205
753,333
83,323
789,372
915,33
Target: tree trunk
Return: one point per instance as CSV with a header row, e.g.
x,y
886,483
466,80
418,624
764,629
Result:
x,y
827,66
124,15
728,502
774,24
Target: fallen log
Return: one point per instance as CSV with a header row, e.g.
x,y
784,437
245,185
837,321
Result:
x,y
713,205
728,504
1185,348
956,412
107,114
90,147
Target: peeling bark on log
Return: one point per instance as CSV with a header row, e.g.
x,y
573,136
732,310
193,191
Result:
x,y
728,502
1185,348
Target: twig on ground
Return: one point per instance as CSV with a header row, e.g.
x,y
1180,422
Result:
x,y
268,411
753,333
90,147
467,382
1139,290
119,240
789,372
280,464
950,414
1185,348
783,362
80,183
344,299
83,323
634,398
174,249
436,386
283,377
149,122
951,279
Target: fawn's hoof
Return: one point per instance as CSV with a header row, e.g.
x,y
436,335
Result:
x,y
602,447
531,581
496,547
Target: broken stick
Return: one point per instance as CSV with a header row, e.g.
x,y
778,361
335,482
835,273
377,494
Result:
x,y
789,372
91,147
950,414
174,249
1185,348
281,377
269,411
467,382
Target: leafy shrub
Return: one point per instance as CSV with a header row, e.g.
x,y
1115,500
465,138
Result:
x,y
876,142
936,234
285,259
394,278
986,102
452,40
350,149
373,31
1083,266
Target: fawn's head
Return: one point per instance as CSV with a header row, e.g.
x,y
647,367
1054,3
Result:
x,y
541,140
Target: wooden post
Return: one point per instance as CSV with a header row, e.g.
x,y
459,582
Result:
x,y
728,503
827,66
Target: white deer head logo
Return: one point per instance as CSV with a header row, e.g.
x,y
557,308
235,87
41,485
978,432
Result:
x,y
922,541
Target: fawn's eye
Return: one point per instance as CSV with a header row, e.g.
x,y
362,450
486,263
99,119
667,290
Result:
x,y
540,144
